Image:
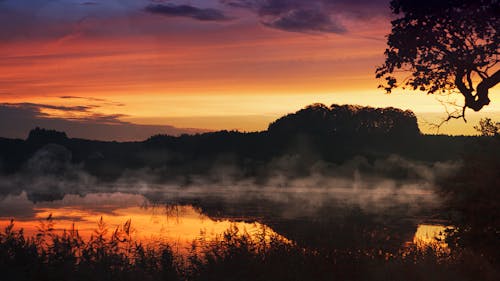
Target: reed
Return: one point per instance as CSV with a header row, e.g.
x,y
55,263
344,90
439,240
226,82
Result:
x,y
235,255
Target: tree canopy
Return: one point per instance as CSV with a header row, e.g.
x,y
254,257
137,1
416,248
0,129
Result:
x,y
447,46
347,120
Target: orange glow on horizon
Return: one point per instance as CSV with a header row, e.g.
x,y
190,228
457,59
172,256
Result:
x,y
232,76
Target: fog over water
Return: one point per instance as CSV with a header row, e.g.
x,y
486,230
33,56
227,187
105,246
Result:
x,y
50,174
343,204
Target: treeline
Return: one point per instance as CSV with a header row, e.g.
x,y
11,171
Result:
x,y
314,134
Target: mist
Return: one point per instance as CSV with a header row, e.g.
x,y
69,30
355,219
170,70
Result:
x,y
374,187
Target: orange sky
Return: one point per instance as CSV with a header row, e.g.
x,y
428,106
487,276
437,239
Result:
x,y
232,74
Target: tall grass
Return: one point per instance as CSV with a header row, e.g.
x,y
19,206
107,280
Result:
x,y
235,255
66,256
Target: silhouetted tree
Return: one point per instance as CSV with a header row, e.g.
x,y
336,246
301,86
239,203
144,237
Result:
x,y
446,45
488,128
43,136
347,120
473,193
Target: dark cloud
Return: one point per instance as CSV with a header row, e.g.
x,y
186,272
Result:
x,y
207,14
103,101
77,97
84,112
270,7
102,119
16,120
301,20
36,107
311,15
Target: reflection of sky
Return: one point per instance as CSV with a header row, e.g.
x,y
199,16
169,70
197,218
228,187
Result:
x,y
180,225
177,225
431,235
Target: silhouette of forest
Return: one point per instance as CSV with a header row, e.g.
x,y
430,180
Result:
x,y
332,134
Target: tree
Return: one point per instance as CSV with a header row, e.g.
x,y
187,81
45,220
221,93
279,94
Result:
x,y
447,46
488,128
471,196
347,120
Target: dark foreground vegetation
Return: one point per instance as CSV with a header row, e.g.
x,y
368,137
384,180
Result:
x,y
233,256
473,196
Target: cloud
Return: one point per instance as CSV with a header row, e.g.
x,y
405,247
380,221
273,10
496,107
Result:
x,y
313,15
76,97
89,3
103,101
80,113
65,20
36,107
202,14
302,20
81,123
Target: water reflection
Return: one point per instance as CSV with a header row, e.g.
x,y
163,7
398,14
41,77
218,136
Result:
x,y
431,235
177,225
179,220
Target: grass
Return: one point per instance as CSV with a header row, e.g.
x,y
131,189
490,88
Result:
x,y
235,255
66,256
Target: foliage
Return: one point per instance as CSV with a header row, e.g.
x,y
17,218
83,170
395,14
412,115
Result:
x,y
487,128
67,256
233,256
347,120
472,195
446,45
38,135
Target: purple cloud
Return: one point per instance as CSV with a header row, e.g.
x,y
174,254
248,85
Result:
x,y
202,14
311,15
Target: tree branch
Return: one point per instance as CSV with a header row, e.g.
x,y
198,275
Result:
x,y
480,99
483,87
481,74
469,81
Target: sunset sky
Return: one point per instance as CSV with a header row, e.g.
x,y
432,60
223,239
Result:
x,y
82,66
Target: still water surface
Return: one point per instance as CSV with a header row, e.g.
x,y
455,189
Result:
x,y
179,224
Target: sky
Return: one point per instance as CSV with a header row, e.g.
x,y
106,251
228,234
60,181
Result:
x,y
127,69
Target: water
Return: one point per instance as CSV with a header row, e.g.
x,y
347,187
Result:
x,y
313,218
431,235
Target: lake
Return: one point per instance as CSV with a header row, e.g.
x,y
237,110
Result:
x,y
341,218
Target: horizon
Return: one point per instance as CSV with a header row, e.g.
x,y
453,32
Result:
x,y
216,65
125,132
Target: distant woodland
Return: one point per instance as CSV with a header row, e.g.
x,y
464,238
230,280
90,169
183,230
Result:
x,y
315,134
332,134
